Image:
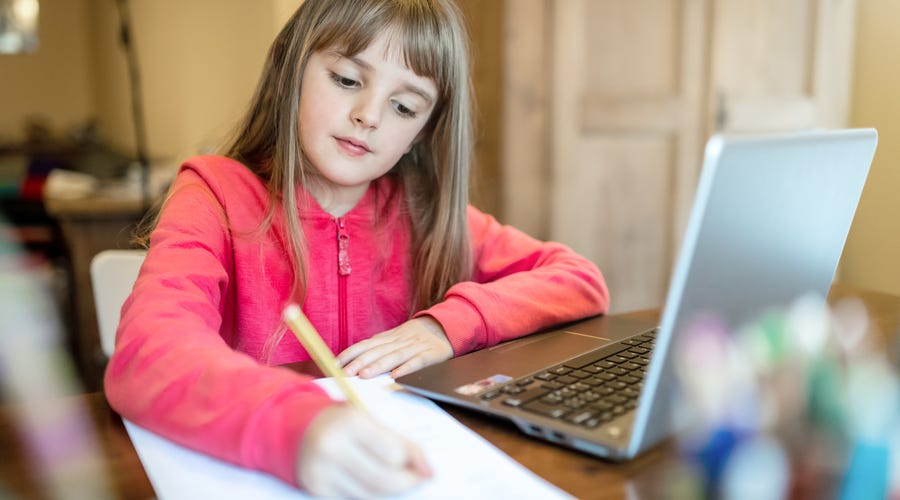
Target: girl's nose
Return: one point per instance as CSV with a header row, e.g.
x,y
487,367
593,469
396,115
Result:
x,y
366,113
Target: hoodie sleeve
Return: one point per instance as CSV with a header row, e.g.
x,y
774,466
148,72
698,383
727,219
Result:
x,y
175,374
520,285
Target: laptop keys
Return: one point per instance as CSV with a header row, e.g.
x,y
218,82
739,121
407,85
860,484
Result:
x,y
580,417
586,391
487,396
518,396
541,408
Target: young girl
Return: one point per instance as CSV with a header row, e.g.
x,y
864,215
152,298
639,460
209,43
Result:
x,y
343,189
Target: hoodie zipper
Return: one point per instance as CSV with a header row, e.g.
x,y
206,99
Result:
x,y
343,261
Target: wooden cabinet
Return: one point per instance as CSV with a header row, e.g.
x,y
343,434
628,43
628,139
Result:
x,y
90,225
607,105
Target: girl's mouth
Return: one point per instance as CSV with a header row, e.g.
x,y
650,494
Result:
x,y
353,146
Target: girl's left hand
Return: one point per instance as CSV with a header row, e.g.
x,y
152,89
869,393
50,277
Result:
x,y
413,345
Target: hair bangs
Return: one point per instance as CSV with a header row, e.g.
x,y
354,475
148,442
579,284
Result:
x,y
418,30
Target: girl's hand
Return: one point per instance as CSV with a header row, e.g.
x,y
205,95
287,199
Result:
x,y
413,345
347,454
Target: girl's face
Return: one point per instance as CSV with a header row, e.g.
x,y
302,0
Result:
x,y
358,115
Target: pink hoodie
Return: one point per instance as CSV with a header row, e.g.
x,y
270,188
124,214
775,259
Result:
x,y
189,361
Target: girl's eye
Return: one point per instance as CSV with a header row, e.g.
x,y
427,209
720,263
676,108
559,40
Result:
x,y
343,81
404,111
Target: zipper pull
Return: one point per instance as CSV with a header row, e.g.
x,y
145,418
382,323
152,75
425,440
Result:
x,y
343,245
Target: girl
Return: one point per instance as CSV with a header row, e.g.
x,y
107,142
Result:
x,y
344,189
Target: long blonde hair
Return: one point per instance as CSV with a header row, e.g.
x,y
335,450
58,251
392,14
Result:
x,y
435,173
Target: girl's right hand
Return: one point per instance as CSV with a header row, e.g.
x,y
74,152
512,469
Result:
x,y
345,453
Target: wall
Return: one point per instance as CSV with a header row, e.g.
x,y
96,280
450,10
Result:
x,y
872,254
199,62
54,83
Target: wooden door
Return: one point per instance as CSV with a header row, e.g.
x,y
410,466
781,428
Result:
x,y
780,65
608,104
624,94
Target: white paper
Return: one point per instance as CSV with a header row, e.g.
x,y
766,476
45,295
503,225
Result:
x,y
464,464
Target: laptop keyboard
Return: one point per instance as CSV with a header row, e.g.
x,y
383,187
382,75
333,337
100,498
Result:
x,y
589,390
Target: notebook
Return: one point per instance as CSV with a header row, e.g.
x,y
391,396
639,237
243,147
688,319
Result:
x,y
768,224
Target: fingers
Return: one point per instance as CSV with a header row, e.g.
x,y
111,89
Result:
x,y
417,462
415,344
359,474
369,473
389,447
345,453
352,352
383,358
415,363
404,454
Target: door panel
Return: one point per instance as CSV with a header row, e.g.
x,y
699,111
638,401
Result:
x,y
625,94
608,103
615,211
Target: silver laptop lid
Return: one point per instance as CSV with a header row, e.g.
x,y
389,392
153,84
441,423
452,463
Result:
x,y
769,221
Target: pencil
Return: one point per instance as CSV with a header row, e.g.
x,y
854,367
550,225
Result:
x,y
320,352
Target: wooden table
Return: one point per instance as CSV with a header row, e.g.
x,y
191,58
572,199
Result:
x,y
22,475
581,475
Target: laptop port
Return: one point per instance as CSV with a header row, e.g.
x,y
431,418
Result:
x,y
556,436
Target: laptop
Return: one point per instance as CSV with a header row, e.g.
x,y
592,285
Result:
x,y
768,224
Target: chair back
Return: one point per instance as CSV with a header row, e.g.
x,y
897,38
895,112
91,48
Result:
x,y
113,273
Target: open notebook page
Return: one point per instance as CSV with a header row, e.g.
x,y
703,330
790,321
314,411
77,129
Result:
x,y
465,465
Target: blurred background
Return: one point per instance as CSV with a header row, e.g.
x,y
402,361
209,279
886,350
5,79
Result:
x,y
592,116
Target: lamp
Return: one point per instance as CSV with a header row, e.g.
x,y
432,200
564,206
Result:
x,y
18,26
137,107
